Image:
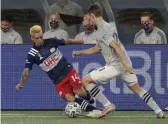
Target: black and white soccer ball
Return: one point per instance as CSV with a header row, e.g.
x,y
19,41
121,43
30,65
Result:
x,y
73,109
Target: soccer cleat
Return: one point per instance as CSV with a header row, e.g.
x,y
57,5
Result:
x,y
107,110
160,115
94,114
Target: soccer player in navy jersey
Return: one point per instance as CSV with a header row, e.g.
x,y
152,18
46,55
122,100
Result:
x,y
45,53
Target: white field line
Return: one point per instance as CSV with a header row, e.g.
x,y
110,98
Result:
x,y
43,116
11,114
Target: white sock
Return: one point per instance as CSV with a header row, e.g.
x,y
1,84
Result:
x,y
99,96
144,95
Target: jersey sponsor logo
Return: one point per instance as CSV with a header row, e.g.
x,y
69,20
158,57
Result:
x,y
52,50
115,36
27,61
51,61
39,55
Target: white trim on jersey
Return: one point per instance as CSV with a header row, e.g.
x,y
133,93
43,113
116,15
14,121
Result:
x,y
31,53
34,50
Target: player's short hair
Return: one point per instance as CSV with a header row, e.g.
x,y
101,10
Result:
x,y
6,17
35,29
147,13
95,9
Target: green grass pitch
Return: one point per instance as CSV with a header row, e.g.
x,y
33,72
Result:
x,y
58,117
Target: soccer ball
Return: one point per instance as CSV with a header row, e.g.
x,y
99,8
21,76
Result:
x,y
73,109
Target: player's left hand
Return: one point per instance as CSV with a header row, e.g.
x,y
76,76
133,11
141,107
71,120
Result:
x,y
19,86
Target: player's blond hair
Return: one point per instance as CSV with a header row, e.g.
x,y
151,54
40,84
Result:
x,y
35,29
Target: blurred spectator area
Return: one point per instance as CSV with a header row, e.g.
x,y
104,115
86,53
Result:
x,y
126,12
23,19
129,21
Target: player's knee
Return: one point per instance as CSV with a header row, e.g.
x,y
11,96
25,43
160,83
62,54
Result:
x,y
87,80
69,98
135,88
81,92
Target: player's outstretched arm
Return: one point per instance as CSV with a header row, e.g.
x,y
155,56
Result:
x,y
71,42
23,79
93,50
119,52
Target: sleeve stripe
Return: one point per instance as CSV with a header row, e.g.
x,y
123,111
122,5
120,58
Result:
x,y
31,54
34,50
162,36
138,34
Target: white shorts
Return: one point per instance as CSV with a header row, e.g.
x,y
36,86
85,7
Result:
x,y
106,73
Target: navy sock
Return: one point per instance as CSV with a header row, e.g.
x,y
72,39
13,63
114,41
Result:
x,y
89,98
84,105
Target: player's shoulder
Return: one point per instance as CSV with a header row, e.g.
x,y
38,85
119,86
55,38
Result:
x,y
33,51
139,33
159,32
109,27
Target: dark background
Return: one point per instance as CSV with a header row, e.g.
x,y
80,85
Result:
x,y
30,12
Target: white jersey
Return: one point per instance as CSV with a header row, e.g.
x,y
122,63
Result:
x,y
11,37
57,33
105,34
157,36
88,38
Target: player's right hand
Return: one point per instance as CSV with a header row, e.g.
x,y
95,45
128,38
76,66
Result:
x,y
19,86
76,53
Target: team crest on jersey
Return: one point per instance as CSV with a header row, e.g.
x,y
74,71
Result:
x,y
52,50
39,55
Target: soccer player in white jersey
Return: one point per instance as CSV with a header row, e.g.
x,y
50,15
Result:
x,y
88,34
118,63
88,37
150,34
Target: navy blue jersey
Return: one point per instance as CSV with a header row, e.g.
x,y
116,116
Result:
x,y
50,59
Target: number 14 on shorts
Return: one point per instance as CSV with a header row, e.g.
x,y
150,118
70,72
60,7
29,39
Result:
x,y
75,77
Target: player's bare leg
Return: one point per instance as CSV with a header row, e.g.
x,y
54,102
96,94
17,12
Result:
x,y
83,93
99,96
145,96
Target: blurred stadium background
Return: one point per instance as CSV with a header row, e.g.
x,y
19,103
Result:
x,y
38,103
